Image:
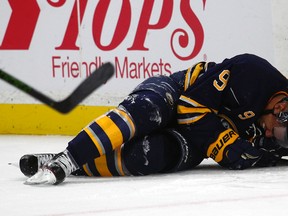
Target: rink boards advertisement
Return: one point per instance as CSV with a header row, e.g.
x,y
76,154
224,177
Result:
x,y
53,45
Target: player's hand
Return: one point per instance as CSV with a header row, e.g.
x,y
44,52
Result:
x,y
267,159
240,155
270,145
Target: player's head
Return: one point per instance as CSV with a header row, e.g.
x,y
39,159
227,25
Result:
x,y
275,119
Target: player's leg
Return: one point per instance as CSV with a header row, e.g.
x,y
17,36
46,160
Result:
x,y
140,156
106,165
150,154
158,152
162,152
149,107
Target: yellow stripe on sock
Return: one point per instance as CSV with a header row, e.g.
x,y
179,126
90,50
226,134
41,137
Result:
x,y
101,166
112,131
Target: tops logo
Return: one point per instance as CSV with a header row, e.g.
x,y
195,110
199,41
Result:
x,y
21,27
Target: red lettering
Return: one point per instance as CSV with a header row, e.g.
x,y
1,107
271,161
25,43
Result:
x,y
122,26
21,25
155,69
195,25
72,69
72,31
25,14
204,4
144,22
119,69
58,3
138,70
54,65
133,72
146,69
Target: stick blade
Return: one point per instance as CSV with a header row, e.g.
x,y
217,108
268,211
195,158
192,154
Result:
x,y
99,77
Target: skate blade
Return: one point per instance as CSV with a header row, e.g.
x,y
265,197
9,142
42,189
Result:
x,y
15,164
41,177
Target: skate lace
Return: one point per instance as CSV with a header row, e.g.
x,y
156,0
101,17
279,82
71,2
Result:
x,y
44,158
67,163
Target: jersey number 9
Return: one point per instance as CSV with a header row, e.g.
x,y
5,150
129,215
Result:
x,y
221,83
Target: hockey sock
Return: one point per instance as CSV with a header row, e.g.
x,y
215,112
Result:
x,y
102,136
106,165
139,114
151,154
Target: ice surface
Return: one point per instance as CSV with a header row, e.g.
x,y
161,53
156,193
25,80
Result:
x,y
207,190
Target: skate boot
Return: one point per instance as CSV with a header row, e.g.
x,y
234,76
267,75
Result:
x,y
55,170
30,164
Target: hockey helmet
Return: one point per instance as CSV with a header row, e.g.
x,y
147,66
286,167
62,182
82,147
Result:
x,y
280,132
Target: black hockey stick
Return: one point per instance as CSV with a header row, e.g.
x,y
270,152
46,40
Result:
x,y
95,80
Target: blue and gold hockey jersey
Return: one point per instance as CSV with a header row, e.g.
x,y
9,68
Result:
x,y
234,92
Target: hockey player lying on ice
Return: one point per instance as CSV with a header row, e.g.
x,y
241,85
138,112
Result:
x,y
235,112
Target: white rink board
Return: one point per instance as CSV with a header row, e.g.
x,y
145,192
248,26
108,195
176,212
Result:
x,y
216,30
207,190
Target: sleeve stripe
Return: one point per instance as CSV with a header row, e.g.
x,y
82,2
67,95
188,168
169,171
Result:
x,y
191,111
190,120
190,101
193,103
187,110
198,69
187,79
192,74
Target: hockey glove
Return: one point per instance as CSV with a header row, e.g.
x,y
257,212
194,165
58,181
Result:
x,y
236,153
272,152
240,155
233,152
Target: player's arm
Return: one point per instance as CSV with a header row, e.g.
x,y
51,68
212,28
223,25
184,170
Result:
x,y
231,151
224,145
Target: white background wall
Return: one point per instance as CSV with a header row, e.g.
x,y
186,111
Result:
x,y
280,34
230,27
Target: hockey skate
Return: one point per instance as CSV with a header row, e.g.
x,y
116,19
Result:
x,y
55,170
30,163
